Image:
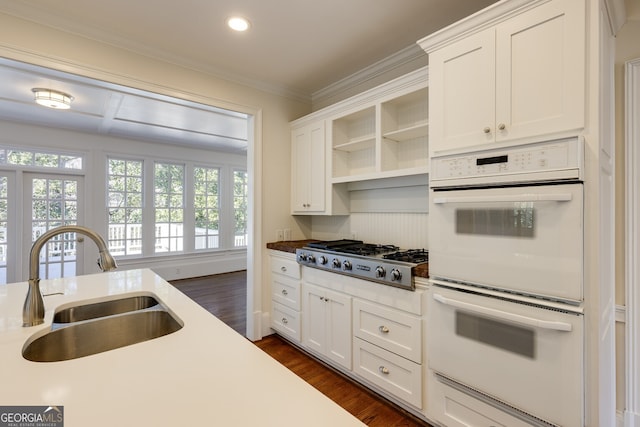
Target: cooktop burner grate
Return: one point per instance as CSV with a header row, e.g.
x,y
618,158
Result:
x,y
415,256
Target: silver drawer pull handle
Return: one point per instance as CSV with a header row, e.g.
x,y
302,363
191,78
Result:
x,y
284,292
284,320
283,268
383,329
383,370
487,130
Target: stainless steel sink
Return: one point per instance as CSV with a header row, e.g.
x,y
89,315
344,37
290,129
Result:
x,y
106,326
119,305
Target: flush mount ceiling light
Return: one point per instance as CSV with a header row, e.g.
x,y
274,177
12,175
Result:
x,y
238,23
52,98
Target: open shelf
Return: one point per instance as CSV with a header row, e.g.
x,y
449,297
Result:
x,y
408,133
357,144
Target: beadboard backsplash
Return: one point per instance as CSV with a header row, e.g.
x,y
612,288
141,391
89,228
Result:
x,y
407,230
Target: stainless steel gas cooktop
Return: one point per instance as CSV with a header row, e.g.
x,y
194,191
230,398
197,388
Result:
x,y
385,264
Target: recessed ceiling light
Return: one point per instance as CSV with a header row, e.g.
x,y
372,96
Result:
x,y
52,98
238,23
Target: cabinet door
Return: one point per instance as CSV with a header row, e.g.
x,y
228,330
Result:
x,y
338,328
314,321
308,169
540,57
462,93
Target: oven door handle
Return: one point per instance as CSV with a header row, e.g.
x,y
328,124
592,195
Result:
x,y
504,315
530,197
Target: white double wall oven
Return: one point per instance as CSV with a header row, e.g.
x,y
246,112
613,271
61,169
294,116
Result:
x,y
505,314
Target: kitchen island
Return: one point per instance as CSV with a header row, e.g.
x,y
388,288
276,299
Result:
x,y
203,374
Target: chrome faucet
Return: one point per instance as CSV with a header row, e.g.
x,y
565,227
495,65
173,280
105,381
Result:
x,y
33,310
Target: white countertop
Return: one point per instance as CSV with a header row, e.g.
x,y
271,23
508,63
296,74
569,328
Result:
x,y
205,374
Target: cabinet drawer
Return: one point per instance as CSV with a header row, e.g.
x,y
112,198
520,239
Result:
x,y
392,373
286,321
287,267
453,408
285,291
393,330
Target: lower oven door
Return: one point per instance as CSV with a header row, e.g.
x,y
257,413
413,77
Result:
x,y
526,359
526,239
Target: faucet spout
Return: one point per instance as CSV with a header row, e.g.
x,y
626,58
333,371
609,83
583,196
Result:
x,y
33,310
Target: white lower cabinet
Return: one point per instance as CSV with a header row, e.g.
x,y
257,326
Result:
x,y
285,295
371,332
394,374
393,330
388,349
327,323
286,321
455,408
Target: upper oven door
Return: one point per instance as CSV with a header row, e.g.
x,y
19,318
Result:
x,y
524,239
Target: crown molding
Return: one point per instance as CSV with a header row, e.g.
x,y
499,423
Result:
x,y
386,65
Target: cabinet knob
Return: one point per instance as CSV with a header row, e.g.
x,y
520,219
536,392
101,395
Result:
x,y
502,126
284,292
383,329
283,268
383,370
284,320
487,130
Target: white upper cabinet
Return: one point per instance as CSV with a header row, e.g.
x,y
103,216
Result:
x,y
308,179
382,138
514,73
380,133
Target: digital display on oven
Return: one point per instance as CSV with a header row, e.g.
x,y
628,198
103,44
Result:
x,y
492,160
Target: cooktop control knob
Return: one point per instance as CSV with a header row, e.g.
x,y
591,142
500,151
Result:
x,y
396,275
346,266
335,263
323,260
311,258
302,257
380,273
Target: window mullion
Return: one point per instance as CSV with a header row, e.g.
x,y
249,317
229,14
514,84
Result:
x,y
188,219
148,210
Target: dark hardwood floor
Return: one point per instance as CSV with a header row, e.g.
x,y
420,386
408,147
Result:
x,y
224,295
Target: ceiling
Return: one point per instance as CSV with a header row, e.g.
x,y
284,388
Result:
x,y
293,47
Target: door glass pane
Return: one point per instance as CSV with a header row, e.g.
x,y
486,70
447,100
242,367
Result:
x,y
4,206
54,202
518,221
508,337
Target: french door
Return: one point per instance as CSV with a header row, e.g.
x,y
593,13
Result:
x,y
50,201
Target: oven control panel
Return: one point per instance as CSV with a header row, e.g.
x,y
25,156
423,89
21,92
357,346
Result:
x,y
546,161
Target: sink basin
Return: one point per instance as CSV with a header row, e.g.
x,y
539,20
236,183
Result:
x,y
96,336
97,326
119,305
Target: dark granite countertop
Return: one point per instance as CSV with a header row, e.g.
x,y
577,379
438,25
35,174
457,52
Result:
x,y
290,245
421,270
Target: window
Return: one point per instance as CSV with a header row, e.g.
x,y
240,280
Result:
x,y
240,193
169,207
124,204
206,207
191,208
10,156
